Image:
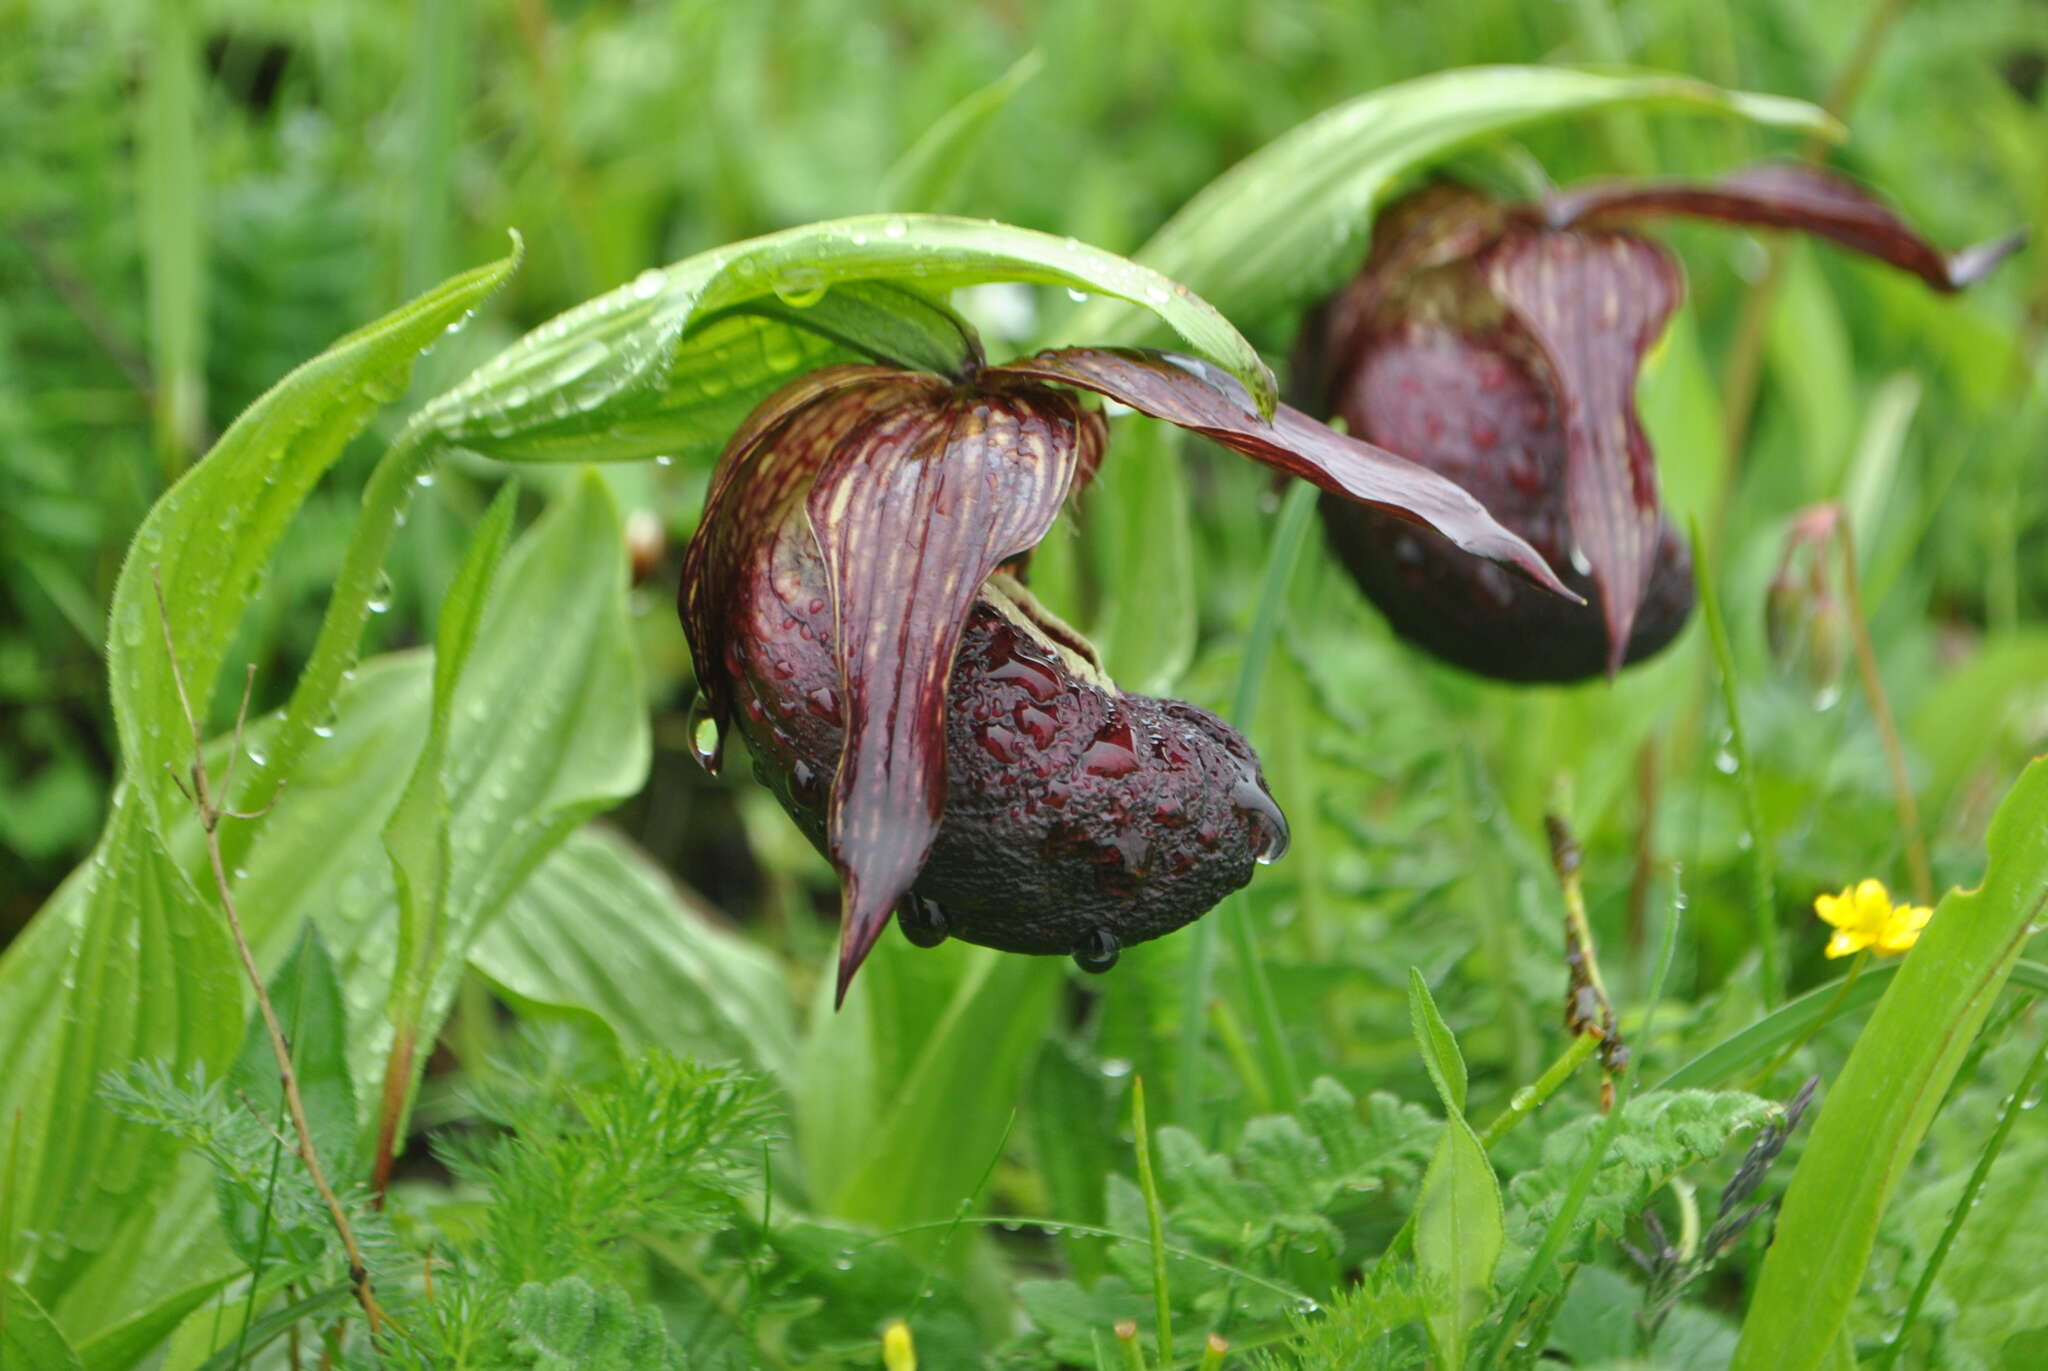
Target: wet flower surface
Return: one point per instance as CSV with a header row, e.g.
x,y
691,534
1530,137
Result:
x,y
1500,345
956,751
1863,915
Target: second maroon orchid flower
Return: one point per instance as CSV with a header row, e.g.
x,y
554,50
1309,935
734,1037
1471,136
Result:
x,y
957,752
1500,344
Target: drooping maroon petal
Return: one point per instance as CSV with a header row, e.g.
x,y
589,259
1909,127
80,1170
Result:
x,y
1209,401
1594,303
768,463
912,512
1789,195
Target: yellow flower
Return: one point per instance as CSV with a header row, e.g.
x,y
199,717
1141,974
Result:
x,y
898,1353
1863,915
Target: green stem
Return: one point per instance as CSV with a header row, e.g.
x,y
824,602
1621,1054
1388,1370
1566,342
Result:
x,y
1965,1202
1154,1220
1762,881
1284,1085
1531,1098
385,497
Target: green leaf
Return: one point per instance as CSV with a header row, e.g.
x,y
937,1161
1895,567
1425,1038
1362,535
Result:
x,y
416,836
29,1339
659,366
600,929
884,322
545,729
1879,1107
1459,1232
1758,1042
945,1033
131,960
925,175
1285,226
572,1326
1440,1053
1661,1134
212,534
121,1345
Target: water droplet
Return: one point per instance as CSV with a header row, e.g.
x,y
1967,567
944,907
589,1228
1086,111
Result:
x,y
1267,825
895,228
844,1261
424,479
707,745
1096,952
799,287
648,284
1523,1100
1115,1067
665,460
1725,761
922,920
1581,563
256,752
1156,294
1079,297
1305,1305
380,594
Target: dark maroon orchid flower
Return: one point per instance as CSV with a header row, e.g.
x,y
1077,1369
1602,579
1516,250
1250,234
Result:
x,y
1499,345
957,752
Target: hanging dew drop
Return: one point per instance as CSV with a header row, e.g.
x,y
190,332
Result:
x,y
380,597
1725,761
1079,297
424,479
707,745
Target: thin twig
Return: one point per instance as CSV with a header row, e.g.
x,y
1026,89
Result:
x,y
210,815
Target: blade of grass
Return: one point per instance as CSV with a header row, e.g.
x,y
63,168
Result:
x,y
1283,1085
1154,1220
1757,1041
1965,1202
172,180
1762,881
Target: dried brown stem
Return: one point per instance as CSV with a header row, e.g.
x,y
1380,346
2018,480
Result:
x,y
210,815
1588,1011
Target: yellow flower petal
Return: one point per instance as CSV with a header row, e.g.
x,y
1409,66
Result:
x,y
1838,910
1902,929
1846,942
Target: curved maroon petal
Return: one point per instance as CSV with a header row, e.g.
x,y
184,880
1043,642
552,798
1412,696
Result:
x,y
1594,303
1788,195
778,449
912,512
1211,402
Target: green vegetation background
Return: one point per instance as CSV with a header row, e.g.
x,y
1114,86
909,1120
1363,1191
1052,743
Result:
x,y
199,196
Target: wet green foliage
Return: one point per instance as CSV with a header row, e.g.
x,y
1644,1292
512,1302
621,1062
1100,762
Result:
x,y
631,1132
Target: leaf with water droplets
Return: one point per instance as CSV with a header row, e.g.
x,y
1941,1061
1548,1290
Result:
x,y
677,365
